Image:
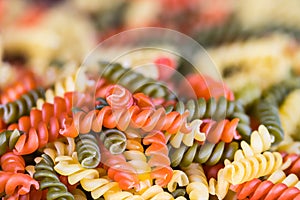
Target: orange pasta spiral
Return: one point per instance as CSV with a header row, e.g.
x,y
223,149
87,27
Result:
x,y
12,163
119,170
257,189
15,91
16,183
135,116
43,126
159,160
224,130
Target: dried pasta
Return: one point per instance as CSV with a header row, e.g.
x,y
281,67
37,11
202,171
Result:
x,y
114,140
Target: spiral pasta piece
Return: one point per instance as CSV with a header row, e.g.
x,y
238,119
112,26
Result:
x,y
294,167
46,175
268,115
188,139
208,153
260,141
251,167
278,186
43,126
146,119
12,163
224,130
217,110
10,112
60,147
15,91
180,179
198,186
16,183
88,150
8,139
134,81
114,140
159,161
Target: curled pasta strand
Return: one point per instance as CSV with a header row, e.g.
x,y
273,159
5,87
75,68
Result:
x,y
198,186
188,139
294,167
10,112
45,174
217,110
159,161
260,141
12,163
278,186
88,150
224,130
208,153
251,167
43,126
118,97
134,81
8,139
180,179
16,183
15,91
113,140
219,186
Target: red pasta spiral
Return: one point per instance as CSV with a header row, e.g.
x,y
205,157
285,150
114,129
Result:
x,y
257,189
118,97
119,170
12,163
159,160
16,183
102,86
16,90
43,126
294,168
224,130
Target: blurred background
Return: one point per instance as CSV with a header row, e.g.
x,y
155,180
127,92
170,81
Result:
x,y
50,38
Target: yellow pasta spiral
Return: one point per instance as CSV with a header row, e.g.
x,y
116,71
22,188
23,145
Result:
x,y
280,177
198,187
179,178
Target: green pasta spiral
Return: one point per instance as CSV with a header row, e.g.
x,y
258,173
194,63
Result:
x,y
12,111
49,180
268,115
8,139
133,81
88,150
208,153
114,140
217,110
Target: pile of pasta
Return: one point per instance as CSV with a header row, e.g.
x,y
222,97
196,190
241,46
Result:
x,y
128,136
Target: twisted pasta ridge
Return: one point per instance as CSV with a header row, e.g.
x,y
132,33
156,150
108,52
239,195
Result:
x,y
180,179
88,178
60,147
13,184
15,91
88,150
157,151
10,112
268,115
217,110
278,186
251,167
114,140
45,174
188,139
8,139
219,186
43,126
135,117
198,186
224,130
12,163
120,170
208,153
294,167
134,81
260,141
